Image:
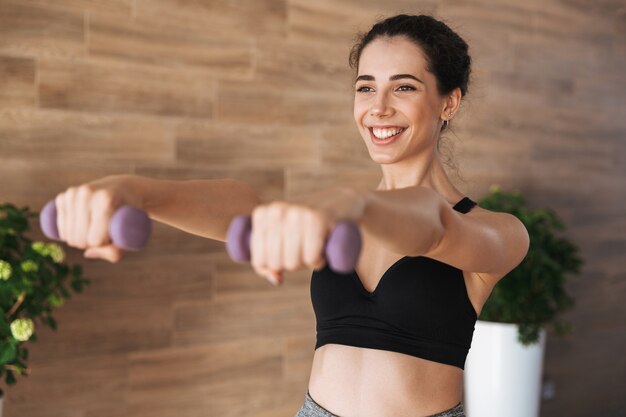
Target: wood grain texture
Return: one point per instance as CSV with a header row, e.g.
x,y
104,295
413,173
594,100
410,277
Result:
x,y
17,82
37,30
230,17
113,8
222,144
127,41
261,92
63,135
103,86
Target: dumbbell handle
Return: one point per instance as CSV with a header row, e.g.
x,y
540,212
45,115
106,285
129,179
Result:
x,y
342,247
129,228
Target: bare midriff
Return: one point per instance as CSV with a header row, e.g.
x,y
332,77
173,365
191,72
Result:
x,y
358,382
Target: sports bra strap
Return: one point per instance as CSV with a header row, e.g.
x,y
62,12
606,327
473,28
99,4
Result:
x,y
465,205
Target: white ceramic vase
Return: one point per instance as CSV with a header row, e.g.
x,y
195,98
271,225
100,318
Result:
x,y
502,377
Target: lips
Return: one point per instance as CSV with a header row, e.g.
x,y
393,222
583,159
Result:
x,y
385,135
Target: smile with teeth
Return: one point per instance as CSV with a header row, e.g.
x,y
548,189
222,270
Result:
x,y
386,133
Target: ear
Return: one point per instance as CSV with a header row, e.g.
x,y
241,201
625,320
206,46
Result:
x,y
452,103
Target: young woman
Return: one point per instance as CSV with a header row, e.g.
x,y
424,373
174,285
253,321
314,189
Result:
x,y
392,336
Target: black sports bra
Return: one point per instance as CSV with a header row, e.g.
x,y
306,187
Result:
x,y
420,307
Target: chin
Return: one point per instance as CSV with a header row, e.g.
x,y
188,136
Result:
x,y
382,159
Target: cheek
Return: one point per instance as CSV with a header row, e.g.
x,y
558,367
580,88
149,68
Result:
x,y
359,110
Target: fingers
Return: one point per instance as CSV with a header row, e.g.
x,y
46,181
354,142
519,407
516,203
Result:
x,y
292,238
273,237
83,216
313,248
286,237
101,213
109,253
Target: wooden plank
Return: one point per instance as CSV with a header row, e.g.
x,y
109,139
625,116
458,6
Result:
x,y
276,313
246,146
227,18
91,325
66,135
17,82
223,378
299,351
38,30
263,103
292,66
243,398
335,25
89,378
128,41
160,371
113,8
107,87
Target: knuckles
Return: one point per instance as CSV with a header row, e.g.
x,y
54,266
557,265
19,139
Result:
x,y
79,198
278,217
283,210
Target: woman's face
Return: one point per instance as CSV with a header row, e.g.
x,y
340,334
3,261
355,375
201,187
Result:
x,y
397,107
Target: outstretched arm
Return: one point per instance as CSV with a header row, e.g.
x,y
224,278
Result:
x,y
417,221
411,221
200,207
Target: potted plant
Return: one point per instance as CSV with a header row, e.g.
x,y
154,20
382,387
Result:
x,y
503,367
33,281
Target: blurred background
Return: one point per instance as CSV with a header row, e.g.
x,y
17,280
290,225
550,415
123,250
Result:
x,y
261,91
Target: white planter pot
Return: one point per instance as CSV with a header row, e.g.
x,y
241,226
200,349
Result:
x,y
502,377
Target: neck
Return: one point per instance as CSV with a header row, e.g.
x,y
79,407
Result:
x,y
426,171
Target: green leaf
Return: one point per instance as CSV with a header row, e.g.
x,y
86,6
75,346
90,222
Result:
x,y
533,294
41,280
7,352
10,378
51,322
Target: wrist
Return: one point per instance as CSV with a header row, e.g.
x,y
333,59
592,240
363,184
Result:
x,y
140,191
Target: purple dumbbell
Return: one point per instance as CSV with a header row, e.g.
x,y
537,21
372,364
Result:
x,y
130,227
342,248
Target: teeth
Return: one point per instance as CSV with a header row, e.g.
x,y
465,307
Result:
x,y
385,133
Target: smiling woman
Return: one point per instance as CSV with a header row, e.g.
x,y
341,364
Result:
x,y
394,333
395,343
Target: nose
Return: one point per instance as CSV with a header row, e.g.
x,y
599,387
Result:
x,y
380,106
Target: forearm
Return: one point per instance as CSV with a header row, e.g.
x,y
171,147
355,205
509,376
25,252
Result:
x,y
406,221
200,207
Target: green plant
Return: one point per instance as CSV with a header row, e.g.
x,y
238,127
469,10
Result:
x,y
533,294
33,279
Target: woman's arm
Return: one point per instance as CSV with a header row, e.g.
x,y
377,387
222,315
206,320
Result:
x,y
200,207
411,221
417,221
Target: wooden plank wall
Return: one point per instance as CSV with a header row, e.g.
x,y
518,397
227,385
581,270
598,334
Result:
x,y
260,91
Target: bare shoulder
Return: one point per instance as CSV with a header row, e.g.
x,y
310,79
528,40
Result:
x,y
512,233
486,243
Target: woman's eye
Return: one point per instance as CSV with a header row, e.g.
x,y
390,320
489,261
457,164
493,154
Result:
x,y
363,89
406,88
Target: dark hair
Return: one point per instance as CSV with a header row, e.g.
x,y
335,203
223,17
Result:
x,y
446,53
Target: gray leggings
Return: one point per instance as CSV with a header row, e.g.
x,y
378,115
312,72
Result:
x,y
312,409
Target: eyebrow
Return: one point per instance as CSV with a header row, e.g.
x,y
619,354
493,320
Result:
x,y
392,78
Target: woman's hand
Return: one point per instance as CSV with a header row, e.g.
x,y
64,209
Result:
x,y
291,235
84,213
